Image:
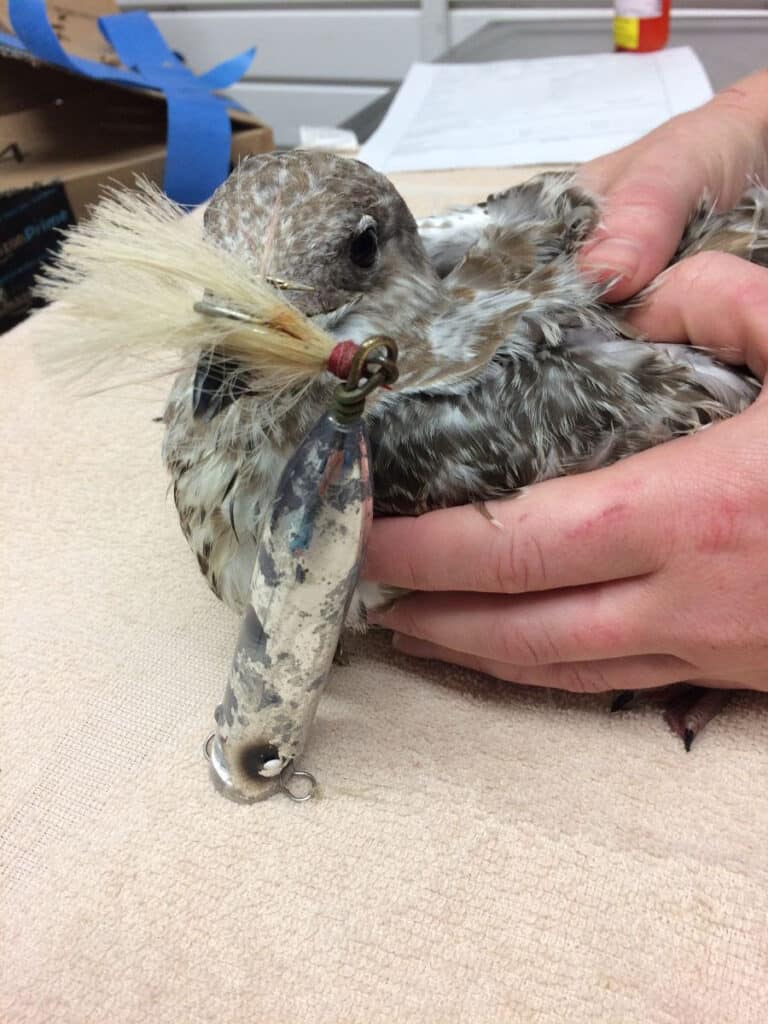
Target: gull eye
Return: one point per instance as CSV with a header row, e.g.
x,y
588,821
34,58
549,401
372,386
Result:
x,y
364,247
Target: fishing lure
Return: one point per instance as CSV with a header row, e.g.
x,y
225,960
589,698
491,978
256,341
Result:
x,y
141,263
306,571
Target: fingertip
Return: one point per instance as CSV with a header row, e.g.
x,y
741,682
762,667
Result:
x,y
643,218
715,300
621,260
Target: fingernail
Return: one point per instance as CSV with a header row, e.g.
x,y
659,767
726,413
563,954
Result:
x,y
612,257
376,618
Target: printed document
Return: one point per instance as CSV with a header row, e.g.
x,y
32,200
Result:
x,y
554,110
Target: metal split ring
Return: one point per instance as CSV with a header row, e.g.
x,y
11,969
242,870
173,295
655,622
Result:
x,y
286,775
373,370
207,746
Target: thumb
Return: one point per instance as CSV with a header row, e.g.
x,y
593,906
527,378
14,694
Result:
x,y
644,216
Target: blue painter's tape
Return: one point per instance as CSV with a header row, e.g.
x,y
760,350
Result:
x,y
199,128
229,71
199,140
29,20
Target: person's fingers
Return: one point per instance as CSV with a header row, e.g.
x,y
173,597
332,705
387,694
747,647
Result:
x,y
643,218
635,673
607,620
564,532
650,188
713,300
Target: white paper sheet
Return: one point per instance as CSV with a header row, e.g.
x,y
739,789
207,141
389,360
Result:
x,y
554,110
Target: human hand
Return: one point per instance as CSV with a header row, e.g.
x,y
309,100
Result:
x,y
650,188
650,571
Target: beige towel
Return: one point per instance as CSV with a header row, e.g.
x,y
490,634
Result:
x,y
479,852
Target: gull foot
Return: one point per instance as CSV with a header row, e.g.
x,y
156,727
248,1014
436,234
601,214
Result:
x,y
687,708
688,713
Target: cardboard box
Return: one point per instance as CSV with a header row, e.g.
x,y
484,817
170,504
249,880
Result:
x,y
63,136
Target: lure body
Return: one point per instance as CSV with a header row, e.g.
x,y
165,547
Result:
x,y
306,571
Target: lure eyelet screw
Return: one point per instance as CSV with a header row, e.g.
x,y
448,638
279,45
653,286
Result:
x,y
367,372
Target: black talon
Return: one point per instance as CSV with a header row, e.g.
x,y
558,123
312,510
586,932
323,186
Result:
x,y
621,700
688,737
